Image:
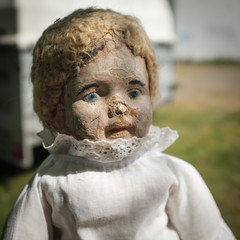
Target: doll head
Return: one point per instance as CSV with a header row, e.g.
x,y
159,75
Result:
x,y
94,75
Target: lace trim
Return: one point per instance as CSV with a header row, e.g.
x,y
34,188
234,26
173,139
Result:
x,y
108,151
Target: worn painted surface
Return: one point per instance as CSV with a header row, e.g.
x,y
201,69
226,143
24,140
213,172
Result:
x,y
109,98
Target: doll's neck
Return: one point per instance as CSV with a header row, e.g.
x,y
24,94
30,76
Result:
x,y
108,151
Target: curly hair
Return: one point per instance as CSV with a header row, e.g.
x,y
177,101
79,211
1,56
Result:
x,y
72,42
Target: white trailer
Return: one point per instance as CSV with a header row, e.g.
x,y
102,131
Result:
x,y
18,123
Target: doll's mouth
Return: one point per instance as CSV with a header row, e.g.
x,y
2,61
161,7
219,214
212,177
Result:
x,y
118,129
118,132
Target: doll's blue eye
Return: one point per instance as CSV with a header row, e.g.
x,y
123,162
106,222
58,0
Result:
x,y
92,97
134,93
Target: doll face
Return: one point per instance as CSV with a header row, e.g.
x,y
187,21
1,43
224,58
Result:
x,y
109,98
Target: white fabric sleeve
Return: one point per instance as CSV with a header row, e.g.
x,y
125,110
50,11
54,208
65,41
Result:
x,y
191,208
30,218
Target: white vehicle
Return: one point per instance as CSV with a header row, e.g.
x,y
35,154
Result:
x,y
19,144
21,23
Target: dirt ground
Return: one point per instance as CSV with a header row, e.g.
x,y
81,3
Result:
x,y
208,86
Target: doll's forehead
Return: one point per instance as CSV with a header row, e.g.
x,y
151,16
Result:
x,y
115,59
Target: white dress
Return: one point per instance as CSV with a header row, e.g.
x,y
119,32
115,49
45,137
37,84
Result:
x,y
119,190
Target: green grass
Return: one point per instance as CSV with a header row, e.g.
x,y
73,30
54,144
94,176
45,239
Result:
x,y
12,181
214,61
210,140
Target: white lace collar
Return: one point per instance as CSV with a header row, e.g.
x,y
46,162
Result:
x,y
108,151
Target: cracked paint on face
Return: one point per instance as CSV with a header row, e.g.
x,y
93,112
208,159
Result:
x,y
109,98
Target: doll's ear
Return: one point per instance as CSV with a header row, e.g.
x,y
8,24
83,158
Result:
x,y
58,120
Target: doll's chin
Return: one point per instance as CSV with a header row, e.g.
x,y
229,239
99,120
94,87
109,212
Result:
x,y
108,135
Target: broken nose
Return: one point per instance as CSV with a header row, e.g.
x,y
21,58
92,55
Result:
x,y
120,108
117,109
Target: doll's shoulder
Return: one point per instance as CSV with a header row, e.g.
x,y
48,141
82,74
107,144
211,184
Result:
x,y
56,165
176,163
53,166
176,166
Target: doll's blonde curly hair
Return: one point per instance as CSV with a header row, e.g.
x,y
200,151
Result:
x,y
71,43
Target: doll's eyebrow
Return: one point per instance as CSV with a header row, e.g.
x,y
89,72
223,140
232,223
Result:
x,y
84,88
132,82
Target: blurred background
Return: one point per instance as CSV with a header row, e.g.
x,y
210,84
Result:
x,y
198,46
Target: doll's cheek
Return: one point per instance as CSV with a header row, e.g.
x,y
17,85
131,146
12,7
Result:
x,y
143,119
142,124
93,128
88,122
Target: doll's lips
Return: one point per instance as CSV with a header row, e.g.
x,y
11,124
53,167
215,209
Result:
x,y
117,131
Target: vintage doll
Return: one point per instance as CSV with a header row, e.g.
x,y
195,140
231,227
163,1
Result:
x,y
95,81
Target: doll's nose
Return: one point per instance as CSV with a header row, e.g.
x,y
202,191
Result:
x,y
117,109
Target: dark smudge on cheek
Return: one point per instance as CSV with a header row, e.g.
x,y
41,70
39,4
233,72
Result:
x,y
133,112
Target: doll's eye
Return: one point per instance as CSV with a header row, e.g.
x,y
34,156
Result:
x,y
91,97
134,93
